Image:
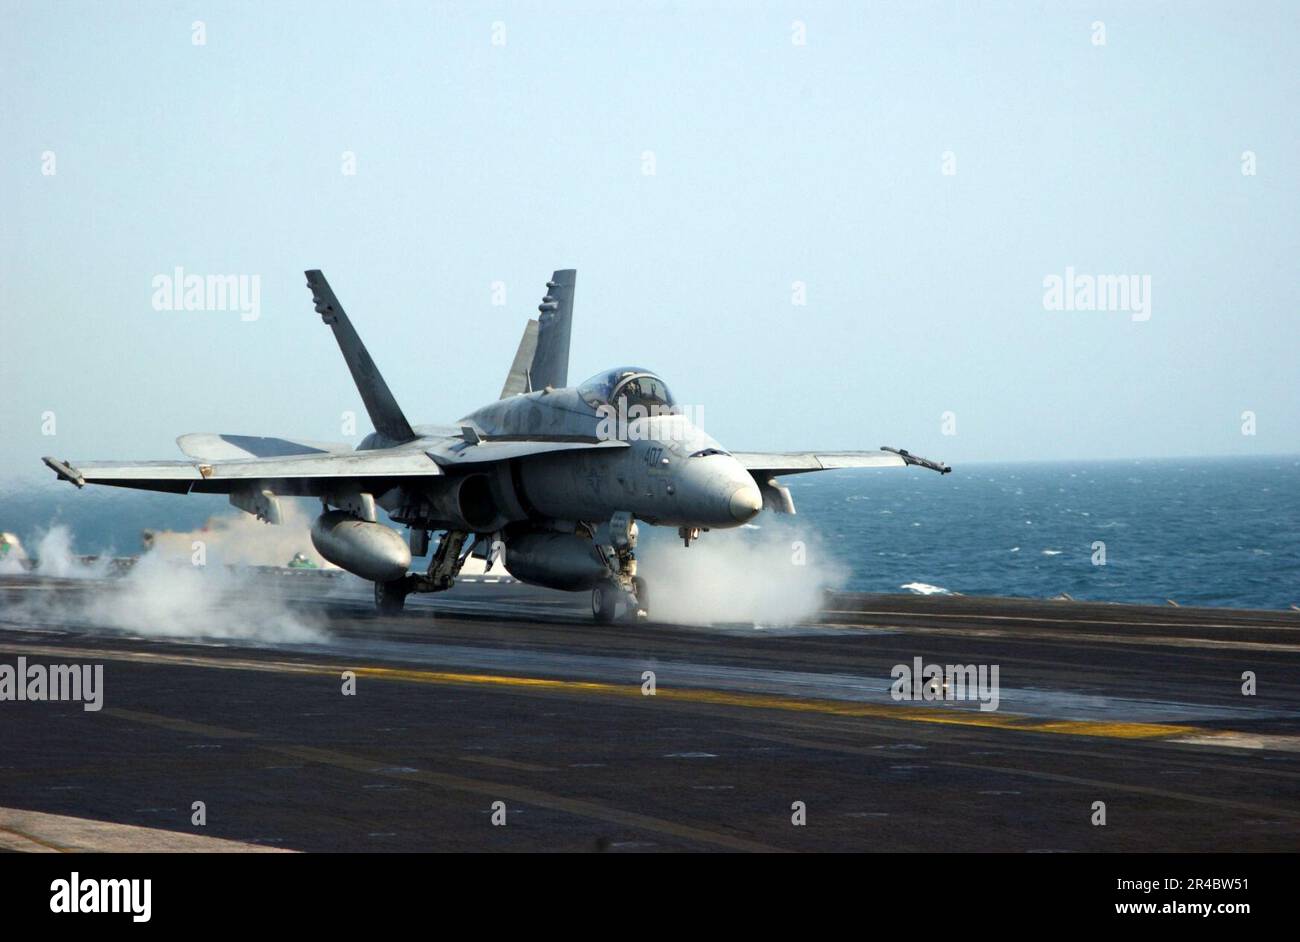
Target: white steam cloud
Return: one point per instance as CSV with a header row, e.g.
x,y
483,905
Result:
x,y
55,559
165,595
776,575
162,598
241,539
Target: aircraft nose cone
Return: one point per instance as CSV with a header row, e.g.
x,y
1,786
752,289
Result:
x,y
746,502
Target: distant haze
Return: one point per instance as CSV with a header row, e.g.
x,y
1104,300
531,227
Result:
x,y
977,231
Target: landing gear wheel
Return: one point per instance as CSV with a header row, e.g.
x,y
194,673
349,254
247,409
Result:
x,y
390,597
603,601
642,598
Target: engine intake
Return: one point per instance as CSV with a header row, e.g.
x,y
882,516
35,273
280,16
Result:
x,y
467,503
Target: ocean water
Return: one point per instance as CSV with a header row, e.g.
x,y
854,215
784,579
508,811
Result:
x,y
1220,531
1223,531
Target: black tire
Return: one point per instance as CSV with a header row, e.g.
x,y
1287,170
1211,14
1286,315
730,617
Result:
x,y
390,597
642,595
604,598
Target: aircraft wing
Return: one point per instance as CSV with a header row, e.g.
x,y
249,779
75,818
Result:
x,y
208,471
290,476
771,464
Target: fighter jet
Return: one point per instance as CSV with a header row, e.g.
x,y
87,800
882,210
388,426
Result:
x,y
551,479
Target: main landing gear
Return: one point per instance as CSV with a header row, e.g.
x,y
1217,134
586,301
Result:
x,y
390,597
444,567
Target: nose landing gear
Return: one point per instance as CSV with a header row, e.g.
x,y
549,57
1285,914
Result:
x,y
642,608
604,603
623,585
605,599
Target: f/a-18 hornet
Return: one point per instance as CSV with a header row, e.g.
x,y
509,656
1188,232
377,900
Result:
x,y
551,479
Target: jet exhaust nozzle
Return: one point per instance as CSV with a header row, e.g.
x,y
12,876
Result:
x,y
369,550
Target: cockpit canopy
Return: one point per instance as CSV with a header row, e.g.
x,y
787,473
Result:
x,y
632,384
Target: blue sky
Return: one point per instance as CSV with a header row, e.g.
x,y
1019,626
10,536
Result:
x,y
774,163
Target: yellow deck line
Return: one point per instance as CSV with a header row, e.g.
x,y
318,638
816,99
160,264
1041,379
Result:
x,y
996,720
899,712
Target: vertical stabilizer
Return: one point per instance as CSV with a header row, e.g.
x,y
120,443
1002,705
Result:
x,y
384,411
551,361
519,379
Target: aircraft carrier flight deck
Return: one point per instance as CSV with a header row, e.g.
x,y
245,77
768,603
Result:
x,y
500,717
